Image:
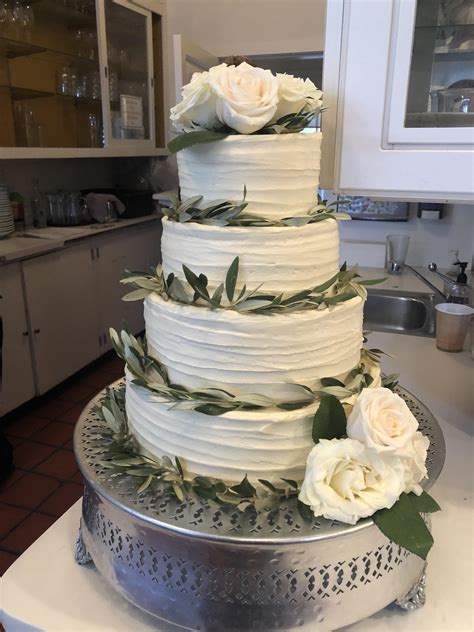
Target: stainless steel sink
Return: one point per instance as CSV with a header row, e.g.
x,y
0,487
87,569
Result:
x,y
409,313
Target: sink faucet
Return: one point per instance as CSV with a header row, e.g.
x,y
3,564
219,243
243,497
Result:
x,y
428,283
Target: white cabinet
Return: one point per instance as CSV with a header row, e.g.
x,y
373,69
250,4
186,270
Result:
x,y
136,249
61,299
17,380
387,131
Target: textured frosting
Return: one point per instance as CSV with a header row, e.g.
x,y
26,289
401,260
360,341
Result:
x,y
285,259
259,353
267,444
281,172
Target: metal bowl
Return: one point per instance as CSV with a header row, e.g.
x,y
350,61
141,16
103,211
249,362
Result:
x,y
205,568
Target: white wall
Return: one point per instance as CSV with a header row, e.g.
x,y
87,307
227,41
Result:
x,y
363,242
244,27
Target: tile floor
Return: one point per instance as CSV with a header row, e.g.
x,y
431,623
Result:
x,y
46,480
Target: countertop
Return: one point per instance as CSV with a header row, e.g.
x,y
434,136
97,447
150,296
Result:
x,y
20,246
46,590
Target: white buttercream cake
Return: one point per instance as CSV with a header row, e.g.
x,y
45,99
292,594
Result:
x,y
265,354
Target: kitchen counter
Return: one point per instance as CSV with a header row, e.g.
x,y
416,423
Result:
x,y
46,590
20,246
405,282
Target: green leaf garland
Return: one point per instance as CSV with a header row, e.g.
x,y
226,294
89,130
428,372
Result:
x,y
189,139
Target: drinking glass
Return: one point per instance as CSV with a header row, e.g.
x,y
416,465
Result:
x,y
396,253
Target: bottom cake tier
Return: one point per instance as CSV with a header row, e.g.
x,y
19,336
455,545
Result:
x,y
270,443
197,566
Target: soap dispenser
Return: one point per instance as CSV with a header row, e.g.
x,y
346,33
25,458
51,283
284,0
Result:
x,y
460,292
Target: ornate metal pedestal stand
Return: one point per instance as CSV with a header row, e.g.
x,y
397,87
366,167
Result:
x,y
205,568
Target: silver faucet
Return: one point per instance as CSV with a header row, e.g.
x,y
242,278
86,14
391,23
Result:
x,y
428,283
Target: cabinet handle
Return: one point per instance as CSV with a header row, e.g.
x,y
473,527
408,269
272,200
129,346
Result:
x,y
97,253
25,333
92,254
36,331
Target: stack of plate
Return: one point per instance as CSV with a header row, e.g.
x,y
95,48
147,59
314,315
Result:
x,y
6,217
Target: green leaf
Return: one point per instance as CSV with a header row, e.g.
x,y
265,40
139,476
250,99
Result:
x,y
403,525
231,279
305,512
265,483
211,409
424,503
217,296
244,488
188,139
136,295
145,484
198,283
371,281
331,381
329,420
290,482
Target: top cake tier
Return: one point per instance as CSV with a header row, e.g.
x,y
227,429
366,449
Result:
x,y
279,171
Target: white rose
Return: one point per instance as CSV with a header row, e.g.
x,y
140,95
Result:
x,y
247,97
346,481
413,458
295,94
198,104
381,420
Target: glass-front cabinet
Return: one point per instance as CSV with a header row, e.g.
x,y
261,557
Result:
x,y
441,80
81,75
399,87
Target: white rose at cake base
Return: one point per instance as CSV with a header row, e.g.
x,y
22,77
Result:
x,y
383,456
347,481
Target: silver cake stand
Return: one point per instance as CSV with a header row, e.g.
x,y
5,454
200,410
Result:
x,y
201,567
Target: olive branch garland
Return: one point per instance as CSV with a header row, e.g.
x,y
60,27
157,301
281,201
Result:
x,y
341,287
227,213
148,373
122,457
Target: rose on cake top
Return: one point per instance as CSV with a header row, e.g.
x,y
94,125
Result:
x,y
245,99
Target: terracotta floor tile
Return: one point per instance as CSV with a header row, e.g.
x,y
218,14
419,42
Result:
x,y
6,560
55,433
72,415
52,408
76,392
28,454
69,445
13,478
14,441
62,499
96,379
10,517
78,478
29,491
25,426
27,532
62,464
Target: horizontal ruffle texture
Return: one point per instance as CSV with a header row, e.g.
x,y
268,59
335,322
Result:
x,y
279,171
258,353
284,259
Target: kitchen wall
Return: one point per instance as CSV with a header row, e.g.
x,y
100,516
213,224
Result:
x,y
244,27
363,242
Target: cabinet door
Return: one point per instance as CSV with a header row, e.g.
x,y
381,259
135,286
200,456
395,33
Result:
x,y
127,81
17,381
124,250
61,300
382,134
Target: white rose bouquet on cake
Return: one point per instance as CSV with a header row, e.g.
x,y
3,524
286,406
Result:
x,y
242,100
370,465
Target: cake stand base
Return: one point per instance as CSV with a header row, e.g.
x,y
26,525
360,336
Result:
x,y
206,568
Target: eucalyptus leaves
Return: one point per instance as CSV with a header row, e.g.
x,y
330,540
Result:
x,y
147,372
343,286
227,213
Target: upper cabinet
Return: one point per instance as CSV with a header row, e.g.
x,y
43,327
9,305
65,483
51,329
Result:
x,y
399,87
81,78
